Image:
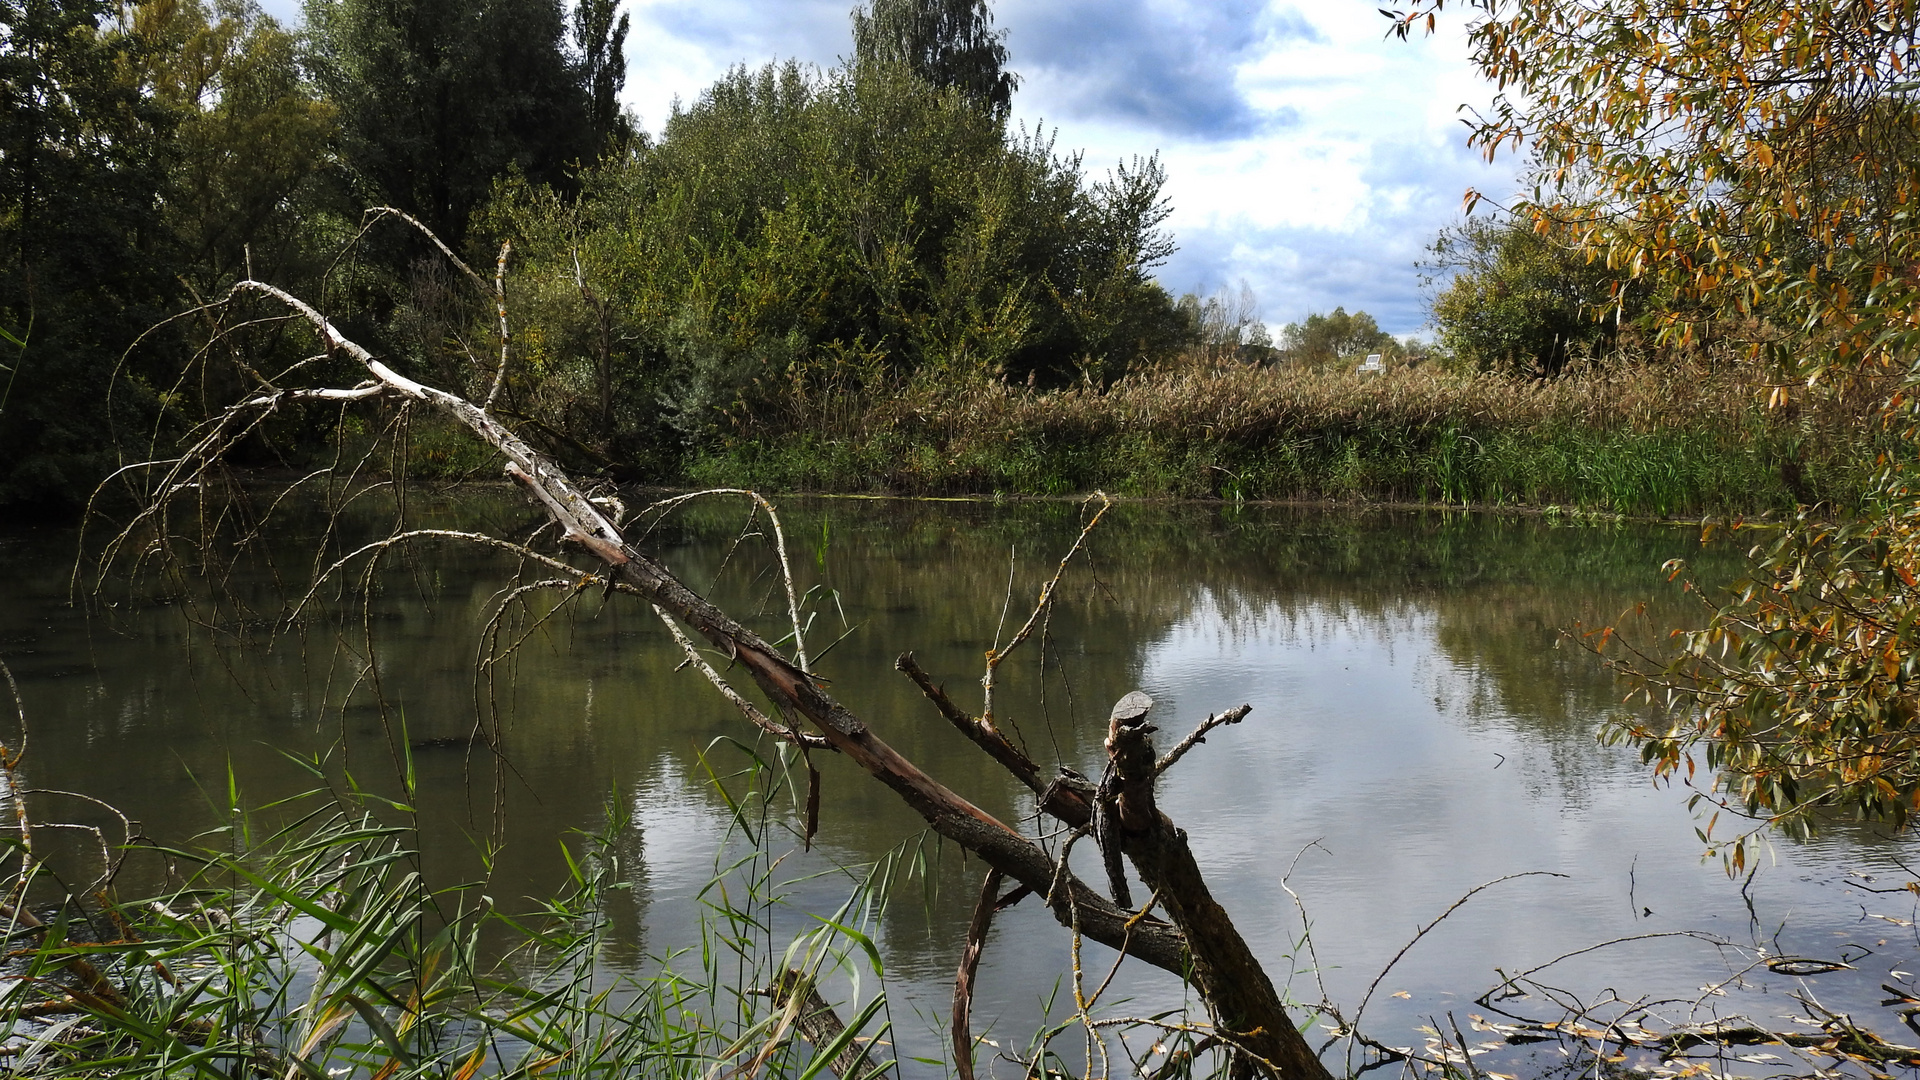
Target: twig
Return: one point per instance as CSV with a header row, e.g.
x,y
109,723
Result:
x,y
780,548
1231,716
995,744
1423,931
1000,654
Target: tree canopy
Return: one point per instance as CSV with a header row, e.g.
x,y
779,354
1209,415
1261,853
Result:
x,y
438,97
1524,301
948,43
1323,339
85,264
793,234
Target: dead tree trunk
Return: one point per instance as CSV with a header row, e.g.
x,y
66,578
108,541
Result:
x,y
1209,953
1246,1007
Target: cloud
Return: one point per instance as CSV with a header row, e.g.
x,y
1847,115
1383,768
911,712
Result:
x,y
1169,68
750,31
1398,194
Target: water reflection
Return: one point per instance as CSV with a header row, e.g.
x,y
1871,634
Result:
x,y
1413,722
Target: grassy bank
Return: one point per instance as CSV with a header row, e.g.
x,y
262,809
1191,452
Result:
x,y
1626,440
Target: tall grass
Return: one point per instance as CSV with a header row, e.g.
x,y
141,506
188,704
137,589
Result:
x,y
1625,438
317,949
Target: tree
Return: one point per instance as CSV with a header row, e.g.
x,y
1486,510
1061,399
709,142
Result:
x,y
792,238
600,44
948,43
1227,324
85,265
1749,161
1524,302
1325,339
251,138
437,98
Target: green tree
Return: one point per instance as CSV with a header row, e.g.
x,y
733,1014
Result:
x,y
600,44
437,98
948,43
1323,340
84,257
251,138
1524,302
792,243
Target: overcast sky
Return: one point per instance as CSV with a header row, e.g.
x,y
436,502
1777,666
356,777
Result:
x,y
1305,155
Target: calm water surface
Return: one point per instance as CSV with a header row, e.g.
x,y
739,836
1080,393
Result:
x,y
1415,732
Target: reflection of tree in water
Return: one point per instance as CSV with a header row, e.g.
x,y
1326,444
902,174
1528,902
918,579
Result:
x,y
596,712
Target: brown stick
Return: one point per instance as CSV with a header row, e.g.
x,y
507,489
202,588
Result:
x,y
1064,801
1231,716
969,966
988,739
1246,1007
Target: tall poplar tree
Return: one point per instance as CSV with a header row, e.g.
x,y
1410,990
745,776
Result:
x,y
945,42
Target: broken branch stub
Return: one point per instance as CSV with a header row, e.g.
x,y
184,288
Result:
x,y
1245,1006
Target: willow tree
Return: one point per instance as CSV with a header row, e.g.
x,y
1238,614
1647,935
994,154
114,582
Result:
x,y
1755,163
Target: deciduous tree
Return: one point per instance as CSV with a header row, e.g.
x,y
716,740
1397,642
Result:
x,y
945,42
84,258
437,98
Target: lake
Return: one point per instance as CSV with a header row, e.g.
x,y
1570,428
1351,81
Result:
x,y
1417,729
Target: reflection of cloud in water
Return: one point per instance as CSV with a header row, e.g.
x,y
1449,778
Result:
x,y
1423,775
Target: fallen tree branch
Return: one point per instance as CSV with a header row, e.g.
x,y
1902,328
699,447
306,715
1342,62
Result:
x,y
1201,946
1199,735
815,1020
977,927
984,736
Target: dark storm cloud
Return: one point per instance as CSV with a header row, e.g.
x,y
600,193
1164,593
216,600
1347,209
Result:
x,y
1165,66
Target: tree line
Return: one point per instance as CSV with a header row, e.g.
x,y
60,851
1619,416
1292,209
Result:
x,y
878,221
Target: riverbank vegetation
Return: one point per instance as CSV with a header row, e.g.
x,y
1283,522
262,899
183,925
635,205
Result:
x,y
1630,440
858,279
307,938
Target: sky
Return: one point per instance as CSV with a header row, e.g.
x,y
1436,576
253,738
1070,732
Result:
x,y
1307,157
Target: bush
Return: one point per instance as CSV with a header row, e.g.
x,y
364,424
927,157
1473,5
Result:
x,y
812,233
1523,301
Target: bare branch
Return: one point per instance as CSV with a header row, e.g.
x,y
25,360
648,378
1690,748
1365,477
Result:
x,y
747,708
376,213
664,506
500,306
994,743
999,654
1231,716
970,966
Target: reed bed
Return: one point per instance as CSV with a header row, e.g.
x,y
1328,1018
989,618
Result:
x,y
317,949
1621,438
